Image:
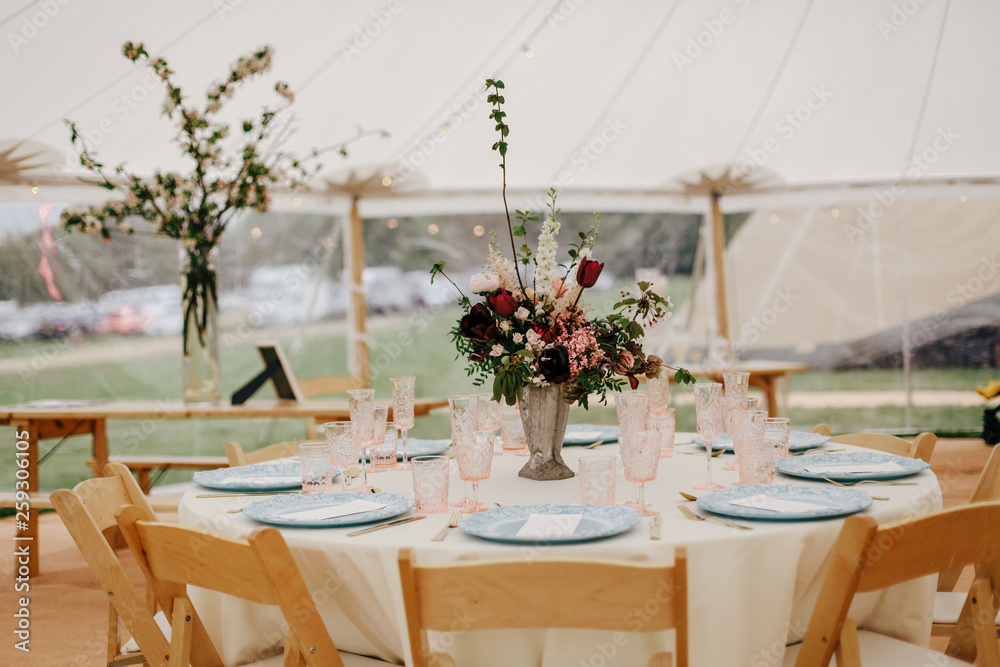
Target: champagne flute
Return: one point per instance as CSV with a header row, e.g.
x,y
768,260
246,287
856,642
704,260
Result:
x,y
475,458
708,414
380,415
737,386
362,407
463,426
402,412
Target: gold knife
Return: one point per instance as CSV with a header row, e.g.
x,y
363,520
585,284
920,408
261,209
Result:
x,y
397,522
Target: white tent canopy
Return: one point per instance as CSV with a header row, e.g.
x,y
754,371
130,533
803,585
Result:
x,y
619,105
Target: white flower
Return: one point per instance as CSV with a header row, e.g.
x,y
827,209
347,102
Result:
x,y
496,351
505,326
484,283
517,337
545,258
534,338
521,313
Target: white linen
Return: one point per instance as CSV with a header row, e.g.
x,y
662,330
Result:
x,y
550,525
888,466
780,505
263,479
767,578
334,511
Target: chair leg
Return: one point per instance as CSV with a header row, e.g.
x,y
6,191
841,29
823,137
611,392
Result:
x,y
848,653
984,624
180,632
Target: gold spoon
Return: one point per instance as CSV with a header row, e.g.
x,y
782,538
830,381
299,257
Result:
x,y
687,496
596,444
716,452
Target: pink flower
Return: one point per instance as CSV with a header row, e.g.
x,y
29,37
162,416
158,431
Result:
x,y
624,363
484,283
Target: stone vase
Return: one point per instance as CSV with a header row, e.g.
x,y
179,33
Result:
x,y
544,415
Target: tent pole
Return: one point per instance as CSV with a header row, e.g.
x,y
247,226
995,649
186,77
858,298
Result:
x,y
357,354
718,248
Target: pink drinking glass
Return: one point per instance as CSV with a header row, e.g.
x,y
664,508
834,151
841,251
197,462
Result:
x,y
777,431
640,452
512,430
488,417
708,414
633,411
475,458
463,427
402,411
362,405
342,452
667,429
745,427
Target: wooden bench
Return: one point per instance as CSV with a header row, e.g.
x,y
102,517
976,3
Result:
x,y
143,466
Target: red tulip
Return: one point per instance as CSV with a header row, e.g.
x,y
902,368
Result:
x,y
502,302
589,272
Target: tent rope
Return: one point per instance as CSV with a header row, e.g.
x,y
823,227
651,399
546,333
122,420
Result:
x,y
930,83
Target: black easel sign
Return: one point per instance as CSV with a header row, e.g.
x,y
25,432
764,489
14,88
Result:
x,y
277,370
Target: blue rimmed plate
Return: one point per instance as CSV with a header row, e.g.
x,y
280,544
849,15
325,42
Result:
x,y
797,441
588,434
257,477
825,502
797,466
275,510
502,523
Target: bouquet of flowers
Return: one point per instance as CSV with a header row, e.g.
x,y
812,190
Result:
x,y
542,333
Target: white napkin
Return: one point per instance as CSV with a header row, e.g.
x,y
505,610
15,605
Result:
x,y
888,466
334,511
780,505
550,525
583,435
264,479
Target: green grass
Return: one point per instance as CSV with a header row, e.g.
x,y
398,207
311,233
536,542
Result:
x,y
412,344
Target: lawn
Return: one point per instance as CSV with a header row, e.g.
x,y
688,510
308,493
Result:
x,y
408,344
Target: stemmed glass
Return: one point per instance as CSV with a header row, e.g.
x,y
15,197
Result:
x,y
380,415
475,458
488,417
737,386
640,452
342,452
402,412
708,414
633,411
463,427
362,405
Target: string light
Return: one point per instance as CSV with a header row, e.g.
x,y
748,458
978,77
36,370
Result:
x,y
774,217
386,181
255,232
297,201
834,212
962,199
393,223
432,228
528,53
478,230
34,190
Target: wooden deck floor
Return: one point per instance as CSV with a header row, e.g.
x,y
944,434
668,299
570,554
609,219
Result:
x,y
69,611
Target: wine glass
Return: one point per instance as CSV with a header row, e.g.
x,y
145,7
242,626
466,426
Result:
x,y
342,452
488,417
708,413
640,452
402,412
633,411
475,458
463,427
380,414
362,405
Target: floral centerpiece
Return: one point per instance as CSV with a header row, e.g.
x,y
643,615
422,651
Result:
x,y
533,333
228,175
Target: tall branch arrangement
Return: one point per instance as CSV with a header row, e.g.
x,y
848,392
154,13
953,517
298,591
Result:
x,y
542,334
227,175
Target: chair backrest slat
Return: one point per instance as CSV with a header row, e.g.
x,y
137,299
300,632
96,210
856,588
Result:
x,y
922,447
238,457
592,594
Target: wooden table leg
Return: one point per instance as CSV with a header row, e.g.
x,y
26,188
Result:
x,y
101,454
26,545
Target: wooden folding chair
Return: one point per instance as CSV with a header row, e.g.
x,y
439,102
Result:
x,y
589,594
260,570
947,603
921,448
88,512
867,558
822,429
237,457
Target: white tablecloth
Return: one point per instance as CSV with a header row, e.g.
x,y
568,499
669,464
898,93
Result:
x,y
750,592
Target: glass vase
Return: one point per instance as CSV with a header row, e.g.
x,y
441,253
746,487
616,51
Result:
x,y
200,312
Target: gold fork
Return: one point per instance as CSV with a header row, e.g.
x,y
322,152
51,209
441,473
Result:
x,y
686,511
821,450
452,523
868,481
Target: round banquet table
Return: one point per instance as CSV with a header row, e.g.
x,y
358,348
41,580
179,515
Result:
x,y
750,592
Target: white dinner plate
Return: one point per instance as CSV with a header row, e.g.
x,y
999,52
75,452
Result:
x,y
275,510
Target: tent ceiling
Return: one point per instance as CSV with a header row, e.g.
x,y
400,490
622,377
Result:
x,y
822,93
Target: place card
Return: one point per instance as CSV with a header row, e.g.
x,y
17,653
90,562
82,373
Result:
x,y
334,511
263,479
887,466
550,525
780,505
